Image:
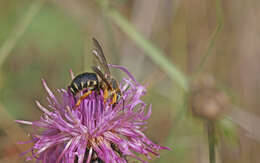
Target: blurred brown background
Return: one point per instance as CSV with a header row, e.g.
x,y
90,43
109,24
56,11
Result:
x,y
57,37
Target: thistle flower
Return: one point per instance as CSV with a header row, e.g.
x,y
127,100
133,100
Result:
x,y
94,132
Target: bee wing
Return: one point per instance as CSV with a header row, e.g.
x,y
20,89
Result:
x,y
101,75
99,57
97,64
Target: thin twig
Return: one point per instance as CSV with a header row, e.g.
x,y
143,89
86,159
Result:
x,y
19,30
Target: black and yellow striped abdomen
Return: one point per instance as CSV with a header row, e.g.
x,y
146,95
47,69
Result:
x,y
86,80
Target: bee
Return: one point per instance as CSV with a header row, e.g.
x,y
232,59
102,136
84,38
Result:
x,y
95,81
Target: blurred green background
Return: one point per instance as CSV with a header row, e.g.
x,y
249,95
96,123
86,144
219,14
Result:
x,y
191,54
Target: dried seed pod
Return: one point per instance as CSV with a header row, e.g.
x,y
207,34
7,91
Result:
x,y
207,101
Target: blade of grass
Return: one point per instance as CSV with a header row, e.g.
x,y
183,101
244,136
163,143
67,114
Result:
x,y
154,53
210,46
19,30
213,38
6,120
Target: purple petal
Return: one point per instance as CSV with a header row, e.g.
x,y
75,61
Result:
x,y
124,70
24,122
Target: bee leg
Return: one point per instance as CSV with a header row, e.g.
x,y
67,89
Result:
x,y
85,95
105,95
114,99
123,103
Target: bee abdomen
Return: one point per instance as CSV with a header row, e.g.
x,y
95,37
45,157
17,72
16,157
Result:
x,y
86,80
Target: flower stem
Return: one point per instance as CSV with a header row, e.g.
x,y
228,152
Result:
x,y
211,140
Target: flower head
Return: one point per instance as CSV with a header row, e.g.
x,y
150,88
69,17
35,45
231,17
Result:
x,y
96,130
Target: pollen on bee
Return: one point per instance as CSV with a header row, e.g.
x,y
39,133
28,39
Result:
x,y
88,83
